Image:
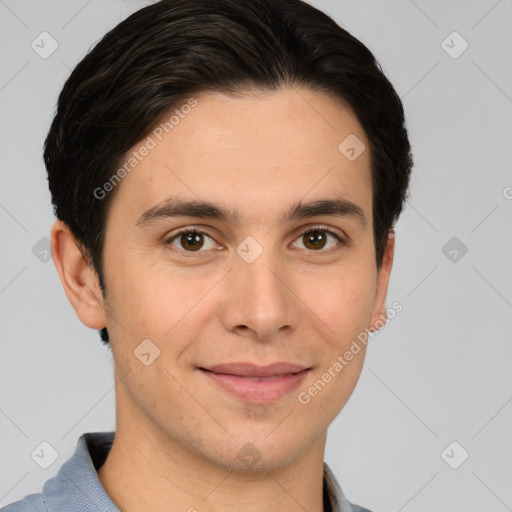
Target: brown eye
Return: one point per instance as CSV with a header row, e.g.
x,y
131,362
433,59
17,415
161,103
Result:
x,y
314,240
318,239
191,241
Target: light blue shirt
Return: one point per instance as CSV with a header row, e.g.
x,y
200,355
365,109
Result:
x,y
77,488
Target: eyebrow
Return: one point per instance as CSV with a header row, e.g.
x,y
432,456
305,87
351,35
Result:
x,y
177,207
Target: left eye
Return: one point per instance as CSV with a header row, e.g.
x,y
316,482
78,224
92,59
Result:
x,y
194,240
317,239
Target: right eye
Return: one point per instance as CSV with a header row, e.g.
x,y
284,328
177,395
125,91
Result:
x,y
191,240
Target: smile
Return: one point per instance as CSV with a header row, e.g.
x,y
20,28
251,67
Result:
x,y
257,384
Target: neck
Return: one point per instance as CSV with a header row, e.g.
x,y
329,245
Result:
x,y
163,475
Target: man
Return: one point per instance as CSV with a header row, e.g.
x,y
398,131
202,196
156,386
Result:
x,y
226,176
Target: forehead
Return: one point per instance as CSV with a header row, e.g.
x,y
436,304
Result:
x,y
254,151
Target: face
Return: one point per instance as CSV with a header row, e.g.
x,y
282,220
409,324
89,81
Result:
x,y
254,278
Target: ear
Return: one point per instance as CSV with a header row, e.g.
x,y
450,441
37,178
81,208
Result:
x,y
379,315
77,276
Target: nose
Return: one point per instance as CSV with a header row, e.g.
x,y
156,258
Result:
x,y
260,302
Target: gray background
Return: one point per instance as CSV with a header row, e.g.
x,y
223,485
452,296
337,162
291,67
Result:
x,y
437,373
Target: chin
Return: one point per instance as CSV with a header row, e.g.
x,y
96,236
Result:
x,y
257,452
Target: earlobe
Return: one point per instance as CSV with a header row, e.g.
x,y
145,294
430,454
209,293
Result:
x,y
379,320
78,278
380,316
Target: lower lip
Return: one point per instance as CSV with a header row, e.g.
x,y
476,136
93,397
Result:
x,y
256,390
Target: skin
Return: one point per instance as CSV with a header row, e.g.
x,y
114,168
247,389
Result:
x,y
259,154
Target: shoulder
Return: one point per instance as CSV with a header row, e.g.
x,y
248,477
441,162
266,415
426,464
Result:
x,y
30,503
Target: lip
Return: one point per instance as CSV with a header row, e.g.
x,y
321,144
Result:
x,y
257,384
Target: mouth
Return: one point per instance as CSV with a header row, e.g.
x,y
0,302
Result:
x,y
257,384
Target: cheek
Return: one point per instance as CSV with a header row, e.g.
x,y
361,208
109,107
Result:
x,y
152,300
330,387
345,300
346,305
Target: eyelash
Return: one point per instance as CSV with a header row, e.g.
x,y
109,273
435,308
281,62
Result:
x,y
193,230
